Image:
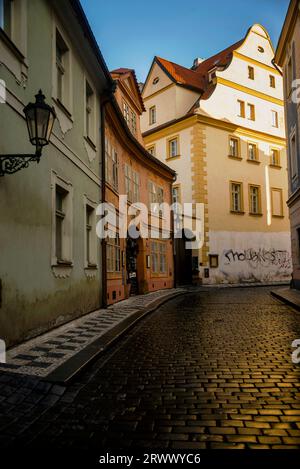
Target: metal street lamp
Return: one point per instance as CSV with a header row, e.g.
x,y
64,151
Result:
x,y
40,119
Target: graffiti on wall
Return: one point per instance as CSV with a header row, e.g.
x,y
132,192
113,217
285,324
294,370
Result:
x,y
259,258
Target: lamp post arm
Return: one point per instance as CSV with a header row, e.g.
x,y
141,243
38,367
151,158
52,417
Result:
x,y
10,164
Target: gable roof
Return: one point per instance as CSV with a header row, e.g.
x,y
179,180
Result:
x,y
197,78
120,74
179,74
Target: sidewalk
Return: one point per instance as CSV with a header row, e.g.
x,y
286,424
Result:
x,y
60,354
288,296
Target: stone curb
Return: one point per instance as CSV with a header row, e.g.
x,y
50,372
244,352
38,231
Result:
x,y
285,300
69,370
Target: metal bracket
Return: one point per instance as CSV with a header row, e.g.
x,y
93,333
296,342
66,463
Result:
x,y
10,164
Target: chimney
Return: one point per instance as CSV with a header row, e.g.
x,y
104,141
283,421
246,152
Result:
x,y
197,61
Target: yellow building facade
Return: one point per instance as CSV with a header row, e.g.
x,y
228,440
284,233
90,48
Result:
x,y
220,126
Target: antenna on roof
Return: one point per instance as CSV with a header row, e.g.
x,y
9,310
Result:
x,y
197,61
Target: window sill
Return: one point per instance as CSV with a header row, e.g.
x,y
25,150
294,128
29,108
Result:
x,y
91,267
276,166
63,263
90,142
11,45
90,270
253,161
255,214
115,190
62,269
172,157
63,108
277,216
236,212
239,158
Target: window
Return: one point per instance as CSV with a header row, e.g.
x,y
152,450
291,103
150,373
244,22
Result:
x,y
6,16
241,108
234,147
158,257
61,195
62,229
176,199
90,238
276,202
254,200
289,77
250,73
113,254
272,81
252,152
250,112
135,186
274,157
236,197
151,150
62,221
152,115
298,239
274,119
111,165
132,184
156,196
130,117
213,261
173,147
293,155
126,112
63,75
89,112
128,187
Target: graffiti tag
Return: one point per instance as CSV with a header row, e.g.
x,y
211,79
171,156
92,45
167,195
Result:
x,y
261,257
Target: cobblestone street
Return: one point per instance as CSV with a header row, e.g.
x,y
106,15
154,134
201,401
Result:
x,y
211,369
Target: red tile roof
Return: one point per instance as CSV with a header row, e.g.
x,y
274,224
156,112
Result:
x,y
198,78
118,72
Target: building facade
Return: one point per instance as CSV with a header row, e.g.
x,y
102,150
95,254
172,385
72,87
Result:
x,y
220,126
288,58
50,268
144,264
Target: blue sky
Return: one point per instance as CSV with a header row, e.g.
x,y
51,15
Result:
x,y
131,32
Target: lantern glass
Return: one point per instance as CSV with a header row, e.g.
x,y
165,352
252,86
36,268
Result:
x,y
40,119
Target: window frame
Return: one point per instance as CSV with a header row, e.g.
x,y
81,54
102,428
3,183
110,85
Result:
x,y
241,209
158,251
67,241
275,113
64,102
168,142
251,108
91,255
280,190
272,82
242,108
255,145
273,163
238,140
251,72
152,115
259,206
90,123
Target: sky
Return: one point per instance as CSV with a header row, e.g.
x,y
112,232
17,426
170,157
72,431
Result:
x,y
131,32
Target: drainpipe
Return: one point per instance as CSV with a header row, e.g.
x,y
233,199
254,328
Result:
x,y
276,66
173,237
103,199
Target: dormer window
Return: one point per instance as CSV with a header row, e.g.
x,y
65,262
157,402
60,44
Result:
x,y
211,75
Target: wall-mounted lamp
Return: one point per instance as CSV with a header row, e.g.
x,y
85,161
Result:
x,y
40,119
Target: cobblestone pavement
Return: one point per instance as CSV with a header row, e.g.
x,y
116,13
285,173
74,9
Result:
x,y
209,370
43,354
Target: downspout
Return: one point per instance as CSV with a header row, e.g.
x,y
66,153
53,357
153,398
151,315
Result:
x,y
173,236
106,98
103,199
276,66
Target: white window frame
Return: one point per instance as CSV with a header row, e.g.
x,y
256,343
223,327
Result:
x,y
67,241
93,261
152,115
66,103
